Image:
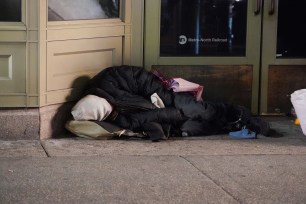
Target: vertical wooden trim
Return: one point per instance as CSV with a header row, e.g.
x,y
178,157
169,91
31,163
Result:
x,y
137,32
42,61
32,53
269,41
127,32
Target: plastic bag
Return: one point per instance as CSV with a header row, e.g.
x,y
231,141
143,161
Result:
x,y
298,100
181,85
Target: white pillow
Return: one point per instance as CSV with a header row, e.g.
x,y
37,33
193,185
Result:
x,y
91,107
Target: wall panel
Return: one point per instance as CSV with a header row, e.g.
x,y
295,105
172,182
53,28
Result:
x,y
85,32
12,68
70,62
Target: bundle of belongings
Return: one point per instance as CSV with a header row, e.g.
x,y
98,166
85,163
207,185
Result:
x,y
130,101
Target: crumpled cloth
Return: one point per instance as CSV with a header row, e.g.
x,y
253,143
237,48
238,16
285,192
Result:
x,y
91,107
156,100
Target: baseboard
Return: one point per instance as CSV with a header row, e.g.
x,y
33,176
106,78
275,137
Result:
x,y
35,123
19,124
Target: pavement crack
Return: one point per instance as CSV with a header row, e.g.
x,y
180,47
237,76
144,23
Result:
x,y
211,179
44,148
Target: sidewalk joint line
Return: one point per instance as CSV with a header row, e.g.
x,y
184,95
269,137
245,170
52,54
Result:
x,y
211,179
44,148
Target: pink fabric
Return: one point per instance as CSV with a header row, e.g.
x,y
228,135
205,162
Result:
x,y
181,85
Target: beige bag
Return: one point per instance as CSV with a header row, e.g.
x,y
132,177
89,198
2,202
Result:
x,y
98,130
88,129
91,107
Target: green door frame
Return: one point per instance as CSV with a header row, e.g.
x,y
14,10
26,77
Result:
x,y
269,44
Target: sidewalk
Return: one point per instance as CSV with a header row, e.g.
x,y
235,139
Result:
x,y
213,169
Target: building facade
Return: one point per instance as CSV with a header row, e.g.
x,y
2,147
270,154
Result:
x,y
245,52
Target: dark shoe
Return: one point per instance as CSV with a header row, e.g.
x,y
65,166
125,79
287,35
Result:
x,y
259,126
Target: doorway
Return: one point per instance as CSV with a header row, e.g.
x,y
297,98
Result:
x,y
250,52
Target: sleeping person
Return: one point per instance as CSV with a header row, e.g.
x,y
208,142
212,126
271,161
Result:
x,y
129,90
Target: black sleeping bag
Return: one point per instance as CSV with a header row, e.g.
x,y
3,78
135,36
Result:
x,y
129,89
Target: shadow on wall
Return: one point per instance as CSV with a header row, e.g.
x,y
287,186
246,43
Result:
x,y
63,112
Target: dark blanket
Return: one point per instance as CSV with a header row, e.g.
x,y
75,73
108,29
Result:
x,y
129,89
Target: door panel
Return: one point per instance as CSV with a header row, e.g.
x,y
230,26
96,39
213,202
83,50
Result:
x,y
269,40
291,30
283,53
203,28
280,87
207,34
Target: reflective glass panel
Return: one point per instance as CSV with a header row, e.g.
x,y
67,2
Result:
x,y
291,31
10,10
63,10
203,27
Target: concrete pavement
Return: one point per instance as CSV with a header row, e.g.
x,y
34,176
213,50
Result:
x,y
213,169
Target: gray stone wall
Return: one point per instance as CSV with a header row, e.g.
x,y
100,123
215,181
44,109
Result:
x,y
21,123
35,123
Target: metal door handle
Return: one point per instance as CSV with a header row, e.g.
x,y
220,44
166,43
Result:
x,y
257,7
272,7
